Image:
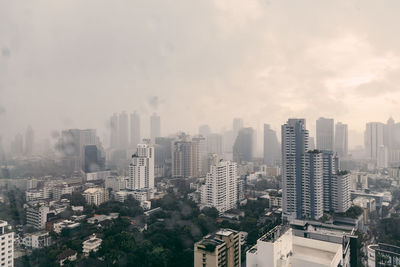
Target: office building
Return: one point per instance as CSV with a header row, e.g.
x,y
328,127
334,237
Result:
x,y
373,139
271,147
36,216
294,146
325,134
6,245
141,169
220,249
221,187
185,157
135,130
95,196
243,146
155,127
341,140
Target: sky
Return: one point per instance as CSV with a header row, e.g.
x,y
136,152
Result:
x,y
73,63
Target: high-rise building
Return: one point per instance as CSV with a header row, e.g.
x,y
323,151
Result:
x,y
204,130
237,125
214,144
123,130
373,139
6,245
155,127
114,131
271,147
202,154
29,141
135,129
325,134
312,189
163,156
294,146
185,157
72,145
243,147
340,195
220,249
341,140
93,161
220,189
141,169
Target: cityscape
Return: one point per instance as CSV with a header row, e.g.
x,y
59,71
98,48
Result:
x,y
184,134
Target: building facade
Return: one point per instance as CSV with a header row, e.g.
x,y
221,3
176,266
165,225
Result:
x,y
141,169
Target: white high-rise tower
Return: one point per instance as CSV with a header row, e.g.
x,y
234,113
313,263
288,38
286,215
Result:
x,y
141,169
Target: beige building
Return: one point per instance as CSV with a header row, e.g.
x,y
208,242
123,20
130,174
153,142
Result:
x,y
96,195
218,249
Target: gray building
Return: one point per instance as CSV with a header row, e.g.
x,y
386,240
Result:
x,y
271,147
325,134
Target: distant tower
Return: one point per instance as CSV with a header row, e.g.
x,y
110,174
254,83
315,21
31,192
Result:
x,y
373,139
341,139
29,141
325,134
204,130
237,125
243,147
155,127
114,131
123,130
135,129
271,146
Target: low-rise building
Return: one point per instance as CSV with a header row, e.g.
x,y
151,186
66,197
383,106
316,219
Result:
x,y
95,195
91,244
64,224
68,254
39,239
383,255
36,216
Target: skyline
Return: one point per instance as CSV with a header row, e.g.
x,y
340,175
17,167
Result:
x,y
261,66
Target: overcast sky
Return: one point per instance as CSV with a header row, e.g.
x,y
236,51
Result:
x,y
72,63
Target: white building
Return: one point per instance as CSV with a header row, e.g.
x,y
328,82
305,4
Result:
x,y
58,226
36,216
220,189
280,247
141,169
141,195
6,245
116,183
92,244
37,240
95,195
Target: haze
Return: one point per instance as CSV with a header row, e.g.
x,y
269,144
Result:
x,y
71,64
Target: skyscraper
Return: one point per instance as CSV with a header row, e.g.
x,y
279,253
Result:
x,y
155,127
373,139
114,131
271,146
123,130
294,147
202,154
185,157
214,144
29,141
220,189
93,160
135,129
237,125
243,147
141,169
341,139
325,134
